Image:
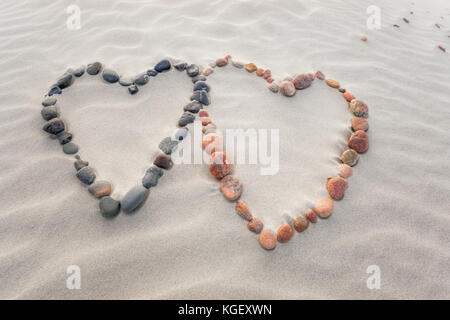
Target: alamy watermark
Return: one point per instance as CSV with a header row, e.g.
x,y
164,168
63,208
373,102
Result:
x,y
374,20
73,22
374,280
73,281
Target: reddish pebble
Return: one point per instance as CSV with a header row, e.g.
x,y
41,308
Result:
x,y
228,57
203,113
251,67
301,224
348,96
363,38
269,80
345,170
218,165
243,210
287,88
259,72
231,187
255,225
207,139
302,81
215,146
336,187
311,216
319,75
221,62
206,121
284,233
442,48
267,74
342,90
359,124
324,207
359,108
350,157
267,240
332,83
208,71
359,141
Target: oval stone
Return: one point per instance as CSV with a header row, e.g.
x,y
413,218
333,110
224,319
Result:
x,y
267,240
251,67
70,148
109,207
110,76
163,65
231,187
336,187
100,189
181,133
237,64
324,207
267,74
311,216
208,71
185,119
284,233
303,81
221,62
49,101
359,141
348,96
344,170
151,177
193,107
168,145
54,126
350,157
49,113
218,165
301,224
243,210
134,197
201,85
192,70
259,72
94,68
86,175
141,79
359,108
198,78
203,113
319,75
360,124
201,96
65,81
255,225
287,88
164,162
152,73
332,83
64,137
208,138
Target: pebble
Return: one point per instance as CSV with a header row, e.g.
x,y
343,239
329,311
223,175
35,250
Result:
x,y
311,216
243,210
198,78
231,187
348,96
319,75
350,157
215,146
134,197
64,137
324,207
287,88
303,81
133,89
359,108
208,71
221,62
267,74
218,165
109,207
209,127
54,126
203,113
167,145
274,87
363,38
164,162
141,79
259,72
332,83
94,68
185,119
181,66
251,67
336,187
110,76
65,81
181,133
284,233
207,139
300,224
206,121
342,90
151,177
406,20
255,225
49,101
201,85
152,73
345,171
54,90
80,164
48,113
359,141
78,72
70,148
163,65
192,70
125,82
86,175
442,48
359,124
237,64
267,240
193,107
100,189
201,96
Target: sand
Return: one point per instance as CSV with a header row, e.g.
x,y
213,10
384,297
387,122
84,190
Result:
x,y
187,241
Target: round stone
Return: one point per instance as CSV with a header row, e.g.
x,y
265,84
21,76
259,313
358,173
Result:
x,y
203,113
301,224
218,165
251,67
100,189
359,108
336,187
208,71
201,85
141,80
255,225
231,187
168,145
181,133
237,64
163,65
192,70
332,83
70,148
49,101
151,177
363,38
348,96
54,126
49,113
86,175
94,68
267,240
109,207
243,210
359,141
324,207
360,124
284,233
350,157
344,170
164,162
110,76
287,88
65,81
303,81
274,87
319,75
134,197
311,216
221,62
133,89
267,74
259,72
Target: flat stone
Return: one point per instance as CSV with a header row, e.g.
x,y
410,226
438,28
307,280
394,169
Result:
x,y
345,171
49,101
110,76
237,64
221,62
243,211
78,72
181,133
359,141
70,148
125,82
336,187
193,107
167,145
218,165
163,161
287,88
332,83
255,225
49,113
192,70
284,233
134,197
79,164
206,121
324,207
54,90
359,108
86,175
133,89
54,126
301,224
141,79
267,240
319,75
198,78
360,124
201,96
64,137
94,68
152,73
303,81
151,177
207,71
185,119
311,216
203,113
100,189
201,85
251,67
274,87
65,81
163,65
350,157
231,187
181,66
348,96
109,207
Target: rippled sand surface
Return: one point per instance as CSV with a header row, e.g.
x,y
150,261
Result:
x,y
187,241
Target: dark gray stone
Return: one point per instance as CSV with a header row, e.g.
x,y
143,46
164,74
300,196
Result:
x,y
86,175
78,72
167,145
181,66
133,89
152,73
48,113
49,101
185,119
192,70
109,207
65,81
151,177
70,148
201,96
198,78
110,76
64,137
193,107
54,126
79,164
134,197
201,85
94,68
141,79
54,90
163,65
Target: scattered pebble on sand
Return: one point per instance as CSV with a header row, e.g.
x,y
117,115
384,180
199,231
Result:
x,y
231,187
100,189
350,157
301,224
359,141
345,171
243,210
336,187
324,207
359,124
267,240
311,216
284,233
218,165
255,225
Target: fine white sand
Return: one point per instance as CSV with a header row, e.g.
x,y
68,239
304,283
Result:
x,y
187,241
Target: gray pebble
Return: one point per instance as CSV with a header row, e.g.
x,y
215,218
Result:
x,y
49,101
274,87
100,189
181,66
151,177
163,65
65,81
110,76
185,119
79,164
193,107
109,207
192,70
167,145
201,96
181,133
152,73
78,72
125,82
70,148
64,137
54,90
54,126
94,68
201,85
86,175
141,79
198,78
133,89
48,113
134,197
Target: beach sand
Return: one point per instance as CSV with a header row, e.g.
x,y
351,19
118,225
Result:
x,y
186,241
